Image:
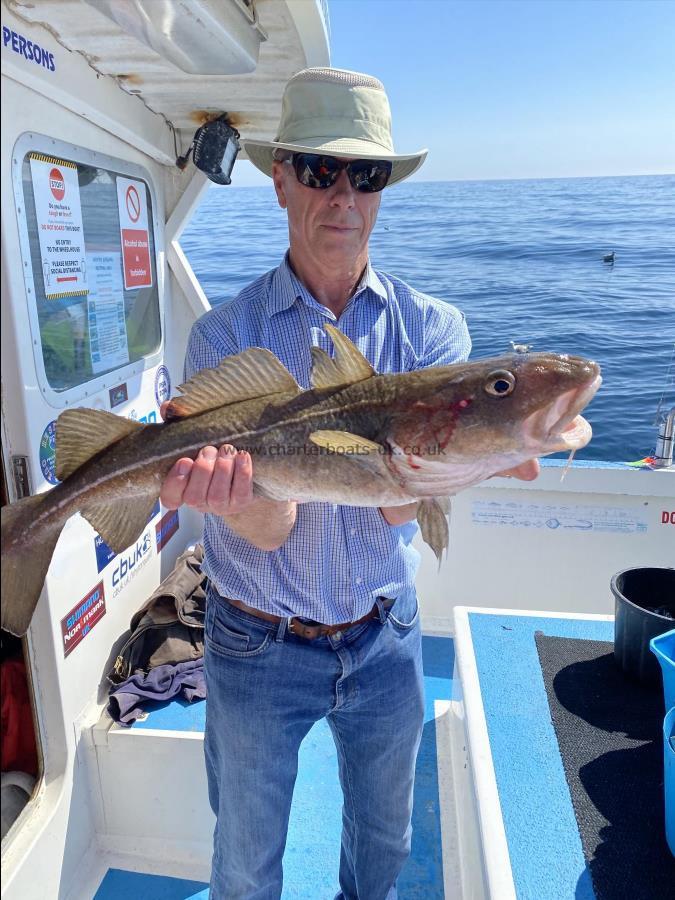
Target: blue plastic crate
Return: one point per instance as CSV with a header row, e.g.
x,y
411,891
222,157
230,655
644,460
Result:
x,y
669,776
663,647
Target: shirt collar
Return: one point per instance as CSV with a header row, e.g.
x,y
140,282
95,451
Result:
x,y
286,288
371,279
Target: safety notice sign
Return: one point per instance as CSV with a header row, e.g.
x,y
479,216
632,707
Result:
x,y
59,219
108,343
133,210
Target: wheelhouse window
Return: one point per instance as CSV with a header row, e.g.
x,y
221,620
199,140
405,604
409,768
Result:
x,y
92,253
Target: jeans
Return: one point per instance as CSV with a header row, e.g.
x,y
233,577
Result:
x,y
265,690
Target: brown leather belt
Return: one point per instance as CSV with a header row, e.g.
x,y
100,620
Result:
x,y
306,628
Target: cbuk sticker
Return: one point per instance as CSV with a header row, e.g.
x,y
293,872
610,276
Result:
x,y
130,563
28,49
82,618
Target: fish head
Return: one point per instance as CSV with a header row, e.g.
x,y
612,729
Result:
x,y
509,408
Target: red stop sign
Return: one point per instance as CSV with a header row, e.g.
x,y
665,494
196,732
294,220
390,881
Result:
x,y
57,184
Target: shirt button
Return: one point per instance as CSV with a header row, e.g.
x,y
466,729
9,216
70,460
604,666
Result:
x,y
359,579
352,531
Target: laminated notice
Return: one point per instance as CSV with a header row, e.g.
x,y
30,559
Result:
x,y
108,343
134,233
559,517
59,220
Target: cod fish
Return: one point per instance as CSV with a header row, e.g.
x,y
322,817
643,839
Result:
x,y
354,438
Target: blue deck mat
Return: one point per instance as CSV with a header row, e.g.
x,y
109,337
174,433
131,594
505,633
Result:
x,y
547,858
315,823
140,886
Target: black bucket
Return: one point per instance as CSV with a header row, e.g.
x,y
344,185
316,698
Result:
x,y
644,609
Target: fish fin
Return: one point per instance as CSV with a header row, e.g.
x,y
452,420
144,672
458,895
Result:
x,y
82,433
24,562
431,516
255,372
120,522
325,371
348,365
345,443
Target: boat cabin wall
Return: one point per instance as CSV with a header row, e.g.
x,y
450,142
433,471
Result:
x,y
70,115
549,545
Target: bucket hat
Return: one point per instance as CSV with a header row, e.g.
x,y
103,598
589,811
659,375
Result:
x,y
337,113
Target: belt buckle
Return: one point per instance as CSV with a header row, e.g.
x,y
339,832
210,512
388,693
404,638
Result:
x,y
304,623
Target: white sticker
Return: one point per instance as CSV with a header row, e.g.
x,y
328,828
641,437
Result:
x,y
133,211
108,343
59,219
550,517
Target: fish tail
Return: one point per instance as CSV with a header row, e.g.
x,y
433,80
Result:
x,y
25,560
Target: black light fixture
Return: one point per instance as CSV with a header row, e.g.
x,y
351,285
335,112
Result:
x,y
214,149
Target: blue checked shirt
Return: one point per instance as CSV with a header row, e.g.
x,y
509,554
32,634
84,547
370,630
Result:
x,y
337,559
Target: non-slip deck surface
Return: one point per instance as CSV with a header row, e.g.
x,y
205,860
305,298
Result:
x,y
544,842
610,735
547,859
312,855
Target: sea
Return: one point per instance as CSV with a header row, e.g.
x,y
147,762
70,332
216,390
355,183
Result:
x,y
524,260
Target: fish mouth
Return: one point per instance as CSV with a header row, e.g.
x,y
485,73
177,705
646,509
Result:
x,y
559,427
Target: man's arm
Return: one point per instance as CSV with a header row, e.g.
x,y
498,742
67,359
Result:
x,y
399,515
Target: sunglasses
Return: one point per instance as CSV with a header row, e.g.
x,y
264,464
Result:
x,y
365,175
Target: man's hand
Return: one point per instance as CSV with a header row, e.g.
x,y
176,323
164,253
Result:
x,y
526,471
220,482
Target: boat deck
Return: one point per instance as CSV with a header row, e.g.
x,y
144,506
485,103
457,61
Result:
x,y
315,824
568,779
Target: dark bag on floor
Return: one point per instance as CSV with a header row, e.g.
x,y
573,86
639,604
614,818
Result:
x,y
169,628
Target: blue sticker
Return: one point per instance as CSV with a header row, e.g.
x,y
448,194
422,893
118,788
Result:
x,y
103,553
162,385
48,453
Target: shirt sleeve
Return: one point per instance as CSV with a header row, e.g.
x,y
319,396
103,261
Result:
x,y
446,336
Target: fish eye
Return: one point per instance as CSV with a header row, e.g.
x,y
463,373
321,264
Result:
x,y
500,384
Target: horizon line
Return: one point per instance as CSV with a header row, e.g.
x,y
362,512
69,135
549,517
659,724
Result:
x,y
492,179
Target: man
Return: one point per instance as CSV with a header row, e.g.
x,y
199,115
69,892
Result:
x,y
312,610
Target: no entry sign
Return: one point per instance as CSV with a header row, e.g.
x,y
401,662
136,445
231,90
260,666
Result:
x,y
133,210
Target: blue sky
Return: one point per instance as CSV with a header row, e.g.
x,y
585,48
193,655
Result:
x,y
517,88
